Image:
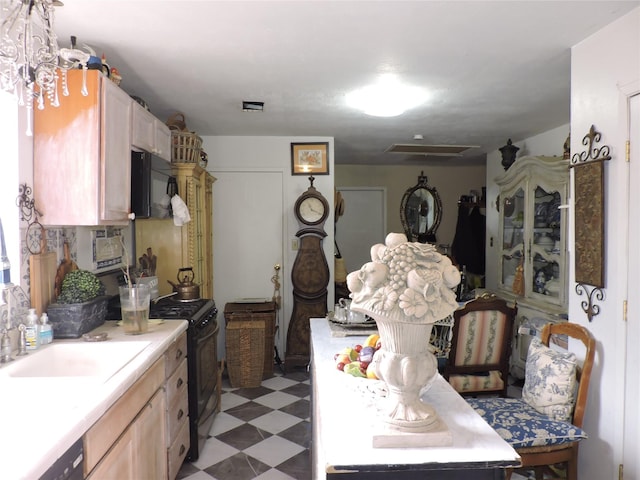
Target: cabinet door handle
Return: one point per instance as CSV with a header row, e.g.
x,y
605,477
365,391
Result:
x,y
178,354
179,383
182,449
180,414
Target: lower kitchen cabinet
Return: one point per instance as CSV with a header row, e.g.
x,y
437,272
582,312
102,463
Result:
x,y
177,405
128,440
145,434
138,453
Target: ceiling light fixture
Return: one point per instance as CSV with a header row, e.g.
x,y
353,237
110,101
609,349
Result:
x,y
252,106
30,56
386,98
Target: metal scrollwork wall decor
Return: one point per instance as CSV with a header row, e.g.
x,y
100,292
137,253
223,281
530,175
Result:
x,y
35,233
589,220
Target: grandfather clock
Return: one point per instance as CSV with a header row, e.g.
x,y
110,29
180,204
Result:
x,y
309,276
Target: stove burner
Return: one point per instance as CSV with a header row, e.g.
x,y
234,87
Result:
x,y
170,308
185,300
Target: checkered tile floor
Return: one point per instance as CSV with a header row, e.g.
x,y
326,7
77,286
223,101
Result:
x,y
261,433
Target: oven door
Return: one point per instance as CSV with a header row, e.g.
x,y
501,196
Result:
x,y
207,366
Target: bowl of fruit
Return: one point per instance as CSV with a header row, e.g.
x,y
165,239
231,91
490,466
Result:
x,y
357,361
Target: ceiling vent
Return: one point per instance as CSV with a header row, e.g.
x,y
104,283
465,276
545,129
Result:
x,y
429,150
252,106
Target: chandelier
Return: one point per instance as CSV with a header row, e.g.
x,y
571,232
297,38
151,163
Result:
x,y
31,63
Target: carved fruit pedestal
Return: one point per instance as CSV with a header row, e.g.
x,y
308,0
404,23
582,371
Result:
x,y
406,288
408,368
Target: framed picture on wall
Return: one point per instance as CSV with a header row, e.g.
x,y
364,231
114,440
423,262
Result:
x,y
310,158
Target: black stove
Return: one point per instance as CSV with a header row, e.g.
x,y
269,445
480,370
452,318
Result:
x,y
167,309
202,359
170,309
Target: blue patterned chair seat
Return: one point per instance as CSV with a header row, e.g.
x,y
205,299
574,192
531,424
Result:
x,y
521,425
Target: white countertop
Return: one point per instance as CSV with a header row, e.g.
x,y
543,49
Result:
x,y
345,418
40,418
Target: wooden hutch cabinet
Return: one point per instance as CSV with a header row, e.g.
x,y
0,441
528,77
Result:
x,y
533,231
190,245
532,247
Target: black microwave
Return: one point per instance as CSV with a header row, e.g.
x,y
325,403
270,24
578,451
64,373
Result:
x,y
149,178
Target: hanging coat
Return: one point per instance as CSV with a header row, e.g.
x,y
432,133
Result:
x,y
468,248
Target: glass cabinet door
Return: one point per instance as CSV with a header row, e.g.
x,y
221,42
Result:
x,y
546,274
513,238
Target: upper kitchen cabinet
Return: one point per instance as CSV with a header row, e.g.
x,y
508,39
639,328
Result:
x,y
82,154
533,231
150,134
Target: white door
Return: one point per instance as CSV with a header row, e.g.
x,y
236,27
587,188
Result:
x,y
247,208
363,224
631,460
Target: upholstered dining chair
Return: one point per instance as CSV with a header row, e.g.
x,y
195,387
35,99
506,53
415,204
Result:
x,y
478,361
545,425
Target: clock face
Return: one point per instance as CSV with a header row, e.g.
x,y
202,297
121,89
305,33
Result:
x,y
312,210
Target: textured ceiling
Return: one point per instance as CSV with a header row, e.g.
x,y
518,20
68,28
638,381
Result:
x,y
495,70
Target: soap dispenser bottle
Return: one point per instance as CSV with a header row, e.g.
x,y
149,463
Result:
x,y
46,333
31,330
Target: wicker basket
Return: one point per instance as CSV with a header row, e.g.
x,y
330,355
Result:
x,y
266,312
185,147
245,352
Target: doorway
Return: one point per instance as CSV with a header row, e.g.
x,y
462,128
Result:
x,y
243,263
632,377
363,224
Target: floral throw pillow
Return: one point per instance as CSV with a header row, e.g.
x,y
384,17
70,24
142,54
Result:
x,y
550,381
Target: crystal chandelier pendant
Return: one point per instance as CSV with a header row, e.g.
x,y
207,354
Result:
x,y
30,56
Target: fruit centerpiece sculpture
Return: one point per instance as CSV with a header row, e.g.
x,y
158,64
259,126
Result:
x,y
405,288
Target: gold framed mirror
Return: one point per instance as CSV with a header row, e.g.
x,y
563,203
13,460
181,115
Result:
x,y
421,211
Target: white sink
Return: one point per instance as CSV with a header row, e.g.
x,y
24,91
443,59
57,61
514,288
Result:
x,y
91,360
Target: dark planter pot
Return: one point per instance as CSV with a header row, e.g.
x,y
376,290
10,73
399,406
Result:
x,y
71,320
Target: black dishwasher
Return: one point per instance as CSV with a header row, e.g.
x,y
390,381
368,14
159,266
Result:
x,y
69,466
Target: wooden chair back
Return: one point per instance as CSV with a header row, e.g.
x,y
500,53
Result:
x,y
583,374
542,457
481,346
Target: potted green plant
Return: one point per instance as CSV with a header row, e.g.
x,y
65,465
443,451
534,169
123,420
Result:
x,y
81,305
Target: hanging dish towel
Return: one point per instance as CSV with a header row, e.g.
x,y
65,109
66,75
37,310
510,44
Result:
x,y
180,211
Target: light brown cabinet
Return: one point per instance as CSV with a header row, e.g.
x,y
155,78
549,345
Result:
x,y
190,245
177,405
136,453
128,441
82,155
149,134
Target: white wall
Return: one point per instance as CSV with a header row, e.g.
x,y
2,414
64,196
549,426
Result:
x,y
449,181
269,154
605,71
17,169
546,144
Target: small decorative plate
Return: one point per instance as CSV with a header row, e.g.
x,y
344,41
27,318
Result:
x,y
95,337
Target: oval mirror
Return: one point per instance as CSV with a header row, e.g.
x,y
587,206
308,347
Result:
x,y
421,211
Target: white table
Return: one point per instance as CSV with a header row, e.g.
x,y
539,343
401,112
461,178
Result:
x,y
344,420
